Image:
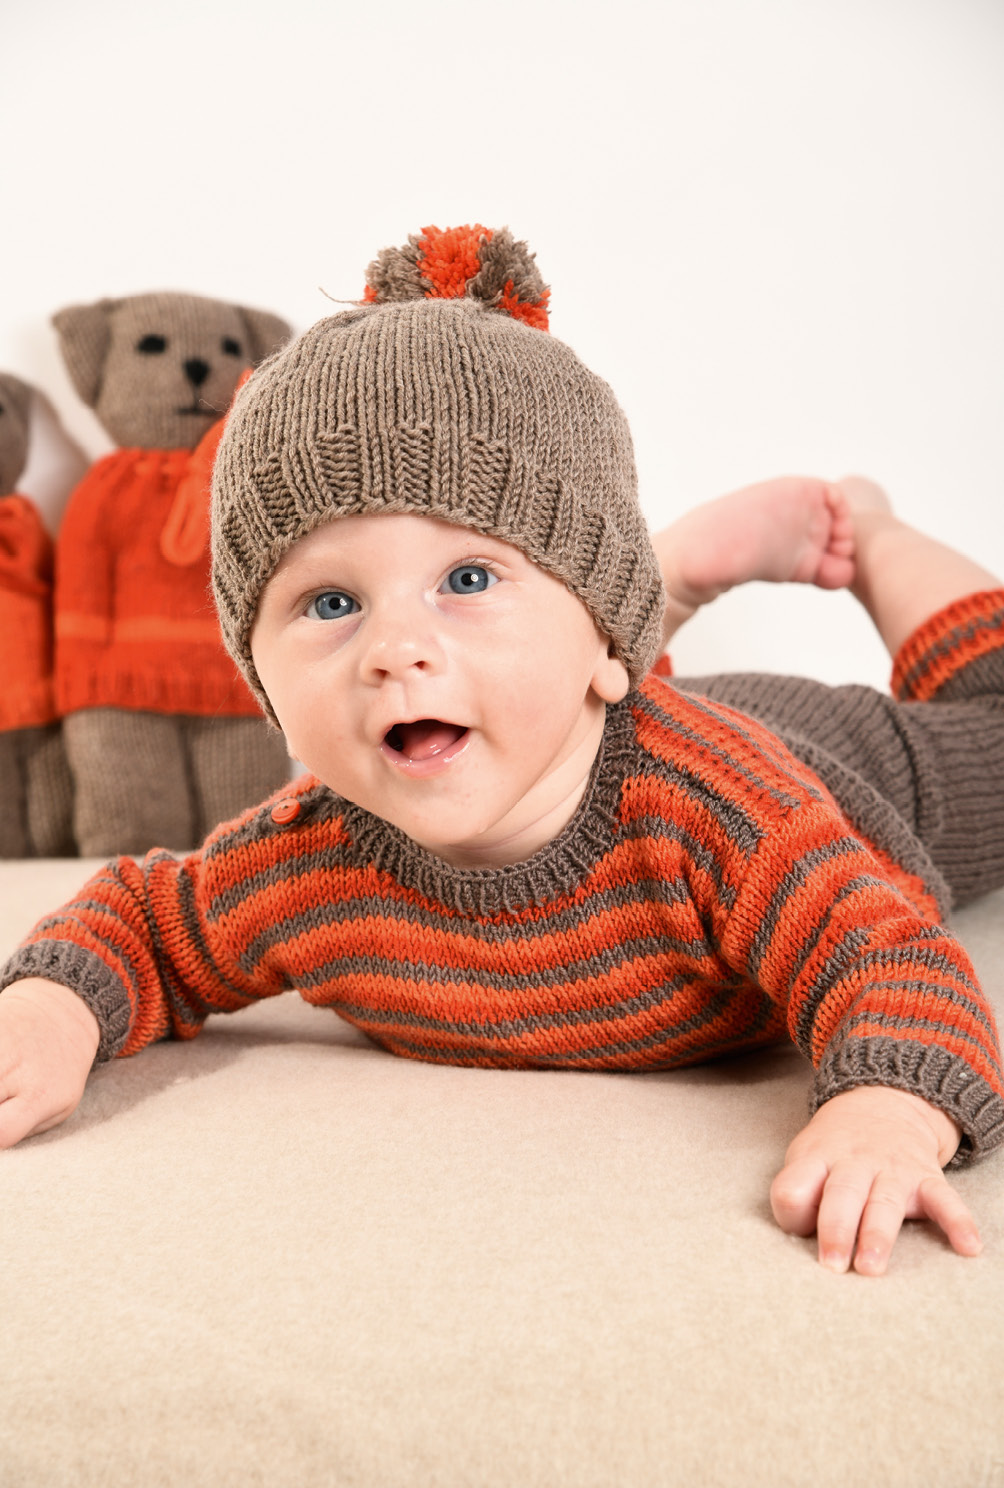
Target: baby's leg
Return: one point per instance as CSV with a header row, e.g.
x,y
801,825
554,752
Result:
x,y
801,530
934,752
902,576
898,765
792,530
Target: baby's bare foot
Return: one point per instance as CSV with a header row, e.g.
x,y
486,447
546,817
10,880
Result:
x,y
791,530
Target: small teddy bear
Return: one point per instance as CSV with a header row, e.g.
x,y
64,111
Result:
x,y
36,800
163,737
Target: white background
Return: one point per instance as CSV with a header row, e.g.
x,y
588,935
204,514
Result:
x,y
775,226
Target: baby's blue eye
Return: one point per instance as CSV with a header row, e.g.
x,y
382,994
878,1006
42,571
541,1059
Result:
x,y
333,605
471,578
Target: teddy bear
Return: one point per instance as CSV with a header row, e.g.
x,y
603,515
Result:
x,y
36,800
163,738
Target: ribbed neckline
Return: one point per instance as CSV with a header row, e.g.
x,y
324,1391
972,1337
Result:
x,y
556,869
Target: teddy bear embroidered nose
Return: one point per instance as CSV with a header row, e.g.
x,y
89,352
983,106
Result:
x,y
196,370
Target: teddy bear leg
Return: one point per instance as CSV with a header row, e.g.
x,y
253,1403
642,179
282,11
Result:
x,y
13,797
48,793
236,763
132,786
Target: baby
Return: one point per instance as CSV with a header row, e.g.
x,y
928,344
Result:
x,y
520,846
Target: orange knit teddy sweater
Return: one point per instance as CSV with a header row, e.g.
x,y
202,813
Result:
x,y
135,623
26,699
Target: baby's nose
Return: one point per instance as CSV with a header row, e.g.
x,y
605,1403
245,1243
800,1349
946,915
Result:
x,y
401,643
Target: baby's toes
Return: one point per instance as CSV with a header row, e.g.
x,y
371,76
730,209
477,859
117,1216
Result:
x,y
836,570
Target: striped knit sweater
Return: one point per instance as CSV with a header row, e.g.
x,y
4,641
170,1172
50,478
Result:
x,y
708,896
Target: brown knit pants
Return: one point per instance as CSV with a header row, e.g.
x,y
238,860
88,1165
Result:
x,y
938,765
146,780
36,794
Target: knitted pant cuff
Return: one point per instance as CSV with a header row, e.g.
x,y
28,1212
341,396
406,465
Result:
x,y
947,643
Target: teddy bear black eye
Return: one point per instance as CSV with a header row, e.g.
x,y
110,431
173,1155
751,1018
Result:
x,y
231,347
152,344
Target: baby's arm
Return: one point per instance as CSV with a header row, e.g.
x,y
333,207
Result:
x,y
48,1040
870,1158
144,952
886,1005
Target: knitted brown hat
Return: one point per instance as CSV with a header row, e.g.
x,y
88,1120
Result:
x,y
441,394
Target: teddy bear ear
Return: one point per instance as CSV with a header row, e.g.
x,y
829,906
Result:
x,y
15,397
84,334
266,332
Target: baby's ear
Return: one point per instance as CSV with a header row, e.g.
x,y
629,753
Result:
x,y
610,680
266,332
84,335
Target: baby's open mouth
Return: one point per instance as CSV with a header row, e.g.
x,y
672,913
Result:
x,y
424,738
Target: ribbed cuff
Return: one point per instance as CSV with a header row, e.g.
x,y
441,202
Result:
x,y
948,642
84,973
927,1070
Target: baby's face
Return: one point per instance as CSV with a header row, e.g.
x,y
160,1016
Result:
x,y
437,678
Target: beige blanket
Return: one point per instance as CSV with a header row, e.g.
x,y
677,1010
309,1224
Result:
x,y
278,1256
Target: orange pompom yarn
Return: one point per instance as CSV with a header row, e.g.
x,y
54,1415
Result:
x,y
449,257
471,261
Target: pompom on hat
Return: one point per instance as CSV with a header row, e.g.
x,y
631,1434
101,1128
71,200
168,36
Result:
x,y
442,393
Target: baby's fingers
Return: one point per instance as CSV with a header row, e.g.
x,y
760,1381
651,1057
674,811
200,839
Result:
x,y
881,1222
940,1202
851,1203
19,1118
795,1194
882,1218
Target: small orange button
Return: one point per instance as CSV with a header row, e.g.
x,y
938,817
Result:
x,y
285,811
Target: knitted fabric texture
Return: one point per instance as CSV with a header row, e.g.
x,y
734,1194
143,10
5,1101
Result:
x,y
709,896
955,637
479,262
25,615
158,369
450,408
135,625
15,418
36,805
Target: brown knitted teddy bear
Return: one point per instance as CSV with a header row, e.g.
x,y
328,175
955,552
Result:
x,y
35,803
163,737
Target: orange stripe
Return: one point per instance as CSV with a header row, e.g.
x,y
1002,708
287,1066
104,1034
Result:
x,y
919,675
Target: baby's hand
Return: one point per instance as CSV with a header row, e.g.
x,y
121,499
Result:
x,y
867,1160
48,1039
